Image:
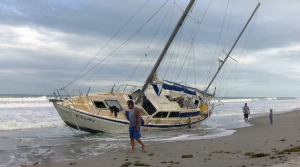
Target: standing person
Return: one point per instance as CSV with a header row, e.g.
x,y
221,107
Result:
x,y
134,126
271,116
246,112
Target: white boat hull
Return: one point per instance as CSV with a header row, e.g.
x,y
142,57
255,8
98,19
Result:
x,y
83,121
88,122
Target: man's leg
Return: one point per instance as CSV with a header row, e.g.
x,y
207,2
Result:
x,y
140,141
132,145
246,118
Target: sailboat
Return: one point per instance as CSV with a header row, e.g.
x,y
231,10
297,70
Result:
x,y
167,105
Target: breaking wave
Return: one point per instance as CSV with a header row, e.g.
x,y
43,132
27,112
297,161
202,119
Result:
x,y
16,125
24,99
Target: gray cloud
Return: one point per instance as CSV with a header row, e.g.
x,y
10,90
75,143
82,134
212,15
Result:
x,y
44,45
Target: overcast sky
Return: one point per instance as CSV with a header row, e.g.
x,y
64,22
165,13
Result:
x,y
45,44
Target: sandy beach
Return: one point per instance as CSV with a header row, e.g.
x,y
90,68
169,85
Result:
x,y
243,148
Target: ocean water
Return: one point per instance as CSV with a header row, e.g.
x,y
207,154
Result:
x,y
31,130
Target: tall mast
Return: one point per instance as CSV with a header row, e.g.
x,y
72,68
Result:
x,y
151,75
227,55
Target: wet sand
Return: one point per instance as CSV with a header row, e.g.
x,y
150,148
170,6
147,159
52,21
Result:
x,y
235,150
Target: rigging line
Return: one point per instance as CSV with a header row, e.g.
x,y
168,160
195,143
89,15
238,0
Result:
x,y
187,71
159,44
179,43
191,47
167,27
205,11
223,72
188,14
159,27
141,60
202,20
164,58
198,11
185,51
161,40
238,71
104,64
111,59
149,63
171,18
247,38
217,45
228,23
109,41
118,46
231,40
194,66
194,6
196,27
188,50
183,62
176,42
172,54
147,67
131,74
249,34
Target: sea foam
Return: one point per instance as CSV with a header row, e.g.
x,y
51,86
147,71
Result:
x,y
15,125
24,99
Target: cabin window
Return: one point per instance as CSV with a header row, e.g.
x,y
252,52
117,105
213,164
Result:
x,y
161,115
99,104
136,93
196,102
111,103
148,107
174,114
130,97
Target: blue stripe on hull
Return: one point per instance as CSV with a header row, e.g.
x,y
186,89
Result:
x,y
189,114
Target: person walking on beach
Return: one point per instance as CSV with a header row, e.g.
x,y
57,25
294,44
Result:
x,y
134,126
246,112
271,116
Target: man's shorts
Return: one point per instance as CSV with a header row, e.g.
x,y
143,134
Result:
x,y
246,116
133,133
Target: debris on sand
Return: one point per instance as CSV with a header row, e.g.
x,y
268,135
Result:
x,y
253,155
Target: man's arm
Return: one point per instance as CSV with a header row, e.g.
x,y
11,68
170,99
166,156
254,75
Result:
x,y
138,116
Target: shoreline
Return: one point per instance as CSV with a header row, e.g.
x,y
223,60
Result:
x,y
228,151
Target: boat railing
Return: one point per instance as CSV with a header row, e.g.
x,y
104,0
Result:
x,y
58,94
74,90
126,86
60,98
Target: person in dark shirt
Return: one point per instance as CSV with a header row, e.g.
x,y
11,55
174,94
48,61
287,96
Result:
x,y
246,112
271,116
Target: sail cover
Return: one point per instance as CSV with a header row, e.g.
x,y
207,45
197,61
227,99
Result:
x,y
159,84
